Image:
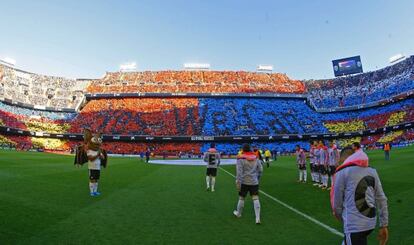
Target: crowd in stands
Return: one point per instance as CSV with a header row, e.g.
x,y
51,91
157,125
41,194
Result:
x,y
10,120
229,116
40,90
284,116
17,142
50,144
363,88
388,115
246,116
134,116
204,116
6,141
274,147
58,92
408,135
66,116
160,149
195,82
50,127
35,120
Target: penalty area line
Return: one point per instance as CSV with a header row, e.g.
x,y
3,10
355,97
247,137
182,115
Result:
x,y
327,227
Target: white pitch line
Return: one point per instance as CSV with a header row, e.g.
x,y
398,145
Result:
x,y
327,227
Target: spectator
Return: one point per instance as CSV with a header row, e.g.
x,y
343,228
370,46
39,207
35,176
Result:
x,y
387,149
373,86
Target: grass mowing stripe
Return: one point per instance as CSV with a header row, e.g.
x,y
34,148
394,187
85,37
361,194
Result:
x,y
327,227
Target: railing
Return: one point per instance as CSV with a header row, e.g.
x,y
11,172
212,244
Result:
x,y
193,95
201,139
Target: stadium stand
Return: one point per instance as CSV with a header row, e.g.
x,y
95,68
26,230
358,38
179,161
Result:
x,y
139,116
232,116
16,110
40,90
363,88
195,82
212,116
217,116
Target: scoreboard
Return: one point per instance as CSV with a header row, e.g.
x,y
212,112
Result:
x,y
347,66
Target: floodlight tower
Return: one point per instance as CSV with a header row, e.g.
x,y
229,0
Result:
x,y
264,68
196,66
396,58
128,67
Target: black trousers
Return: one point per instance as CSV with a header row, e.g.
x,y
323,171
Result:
x,y
357,238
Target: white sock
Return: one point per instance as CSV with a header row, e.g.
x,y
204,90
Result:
x,y
256,205
300,175
240,206
95,188
208,181
213,182
305,175
91,187
325,178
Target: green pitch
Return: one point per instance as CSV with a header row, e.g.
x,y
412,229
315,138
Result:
x,y
44,199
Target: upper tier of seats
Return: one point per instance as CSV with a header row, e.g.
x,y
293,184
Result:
x,y
40,90
195,82
57,92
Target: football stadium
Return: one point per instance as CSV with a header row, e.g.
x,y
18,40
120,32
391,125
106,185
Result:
x,y
147,137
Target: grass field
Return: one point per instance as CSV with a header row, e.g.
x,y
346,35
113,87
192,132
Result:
x,y
44,200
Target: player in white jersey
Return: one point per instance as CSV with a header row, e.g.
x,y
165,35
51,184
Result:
x,y
212,158
94,166
316,153
312,161
323,164
333,154
301,162
247,180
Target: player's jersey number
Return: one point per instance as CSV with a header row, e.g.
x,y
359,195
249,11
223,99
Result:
x,y
212,159
365,196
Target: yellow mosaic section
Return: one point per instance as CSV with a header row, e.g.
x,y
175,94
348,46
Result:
x,y
390,136
47,127
396,118
50,144
340,127
4,140
347,142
